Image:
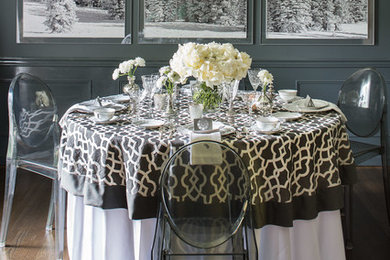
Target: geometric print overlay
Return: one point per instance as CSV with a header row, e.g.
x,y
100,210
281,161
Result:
x,y
305,156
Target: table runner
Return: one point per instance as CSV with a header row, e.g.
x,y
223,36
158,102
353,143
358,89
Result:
x,y
294,174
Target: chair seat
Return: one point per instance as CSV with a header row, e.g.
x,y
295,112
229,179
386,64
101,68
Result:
x,y
364,151
39,162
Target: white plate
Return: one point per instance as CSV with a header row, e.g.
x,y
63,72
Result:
x,y
91,105
150,123
270,132
119,98
288,116
224,129
110,121
318,104
298,106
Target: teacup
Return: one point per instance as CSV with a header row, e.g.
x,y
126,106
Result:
x,y
104,113
267,123
287,94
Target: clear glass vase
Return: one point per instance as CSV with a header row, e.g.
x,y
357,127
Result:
x,y
210,97
264,104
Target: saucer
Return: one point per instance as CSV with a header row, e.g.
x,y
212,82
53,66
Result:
x,y
109,121
149,123
121,98
287,116
269,132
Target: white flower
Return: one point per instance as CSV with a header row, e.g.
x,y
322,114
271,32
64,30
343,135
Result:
x,y
126,66
161,81
115,74
164,70
211,63
265,77
139,62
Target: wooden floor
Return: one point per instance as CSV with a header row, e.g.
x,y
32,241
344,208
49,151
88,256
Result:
x,y
27,238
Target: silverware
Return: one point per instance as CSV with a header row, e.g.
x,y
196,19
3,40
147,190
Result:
x,y
99,100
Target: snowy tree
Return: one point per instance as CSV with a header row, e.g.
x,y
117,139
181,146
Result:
x,y
358,10
274,15
117,9
61,15
339,12
233,12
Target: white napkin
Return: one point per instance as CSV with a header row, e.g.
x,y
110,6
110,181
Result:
x,y
77,107
308,102
209,154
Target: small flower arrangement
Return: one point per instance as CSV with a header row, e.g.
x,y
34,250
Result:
x,y
169,79
128,68
266,79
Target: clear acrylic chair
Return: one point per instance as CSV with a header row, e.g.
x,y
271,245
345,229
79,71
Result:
x,y
33,146
205,205
362,98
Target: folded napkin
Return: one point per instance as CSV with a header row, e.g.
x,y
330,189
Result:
x,y
308,102
75,108
205,154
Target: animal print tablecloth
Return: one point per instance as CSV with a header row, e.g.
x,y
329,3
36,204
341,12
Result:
x,y
294,173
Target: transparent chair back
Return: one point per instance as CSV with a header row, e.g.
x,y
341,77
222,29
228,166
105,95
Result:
x,y
362,100
32,145
205,193
33,119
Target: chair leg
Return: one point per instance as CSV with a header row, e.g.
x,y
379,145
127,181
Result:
x,y
50,216
348,209
10,180
386,184
60,220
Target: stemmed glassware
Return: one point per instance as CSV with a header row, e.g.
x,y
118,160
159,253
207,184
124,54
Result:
x,y
230,90
254,79
150,88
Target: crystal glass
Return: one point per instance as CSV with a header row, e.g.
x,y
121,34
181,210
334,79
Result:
x,y
248,98
230,92
253,78
150,88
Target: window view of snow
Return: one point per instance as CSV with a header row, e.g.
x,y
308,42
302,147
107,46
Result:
x,y
74,18
195,19
317,19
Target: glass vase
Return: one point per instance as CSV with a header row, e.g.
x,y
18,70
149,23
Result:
x,y
209,97
264,104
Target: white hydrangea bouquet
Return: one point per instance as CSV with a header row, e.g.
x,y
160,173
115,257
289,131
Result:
x,y
211,64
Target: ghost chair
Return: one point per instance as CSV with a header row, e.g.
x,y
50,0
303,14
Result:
x,y
205,205
362,98
33,146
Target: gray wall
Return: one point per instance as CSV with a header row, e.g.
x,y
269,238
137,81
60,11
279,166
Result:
x,y
78,72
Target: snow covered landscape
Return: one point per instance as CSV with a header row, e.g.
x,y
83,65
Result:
x,y
195,19
317,19
192,30
91,22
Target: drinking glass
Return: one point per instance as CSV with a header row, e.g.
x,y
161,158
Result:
x,y
230,92
150,88
254,79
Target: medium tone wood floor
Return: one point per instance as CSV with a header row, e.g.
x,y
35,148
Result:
x,y
27,238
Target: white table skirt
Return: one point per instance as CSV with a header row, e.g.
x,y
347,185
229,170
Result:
x,y
97,234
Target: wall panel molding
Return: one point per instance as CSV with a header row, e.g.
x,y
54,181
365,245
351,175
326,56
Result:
x,y
89,62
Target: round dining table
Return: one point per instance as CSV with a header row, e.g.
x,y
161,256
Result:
x,y
111,173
